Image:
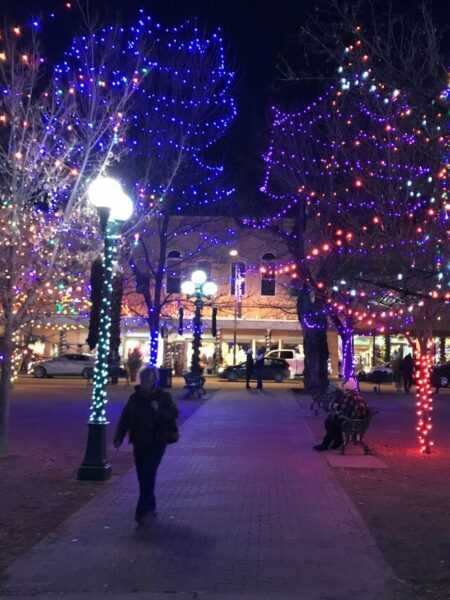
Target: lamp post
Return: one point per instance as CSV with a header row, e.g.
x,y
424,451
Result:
x,y
198,288
114,207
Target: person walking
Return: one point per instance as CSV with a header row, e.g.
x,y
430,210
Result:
x,y
396,372
149,418
249,364
407,371
259,364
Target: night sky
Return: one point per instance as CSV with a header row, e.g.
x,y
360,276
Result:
x,y
255,33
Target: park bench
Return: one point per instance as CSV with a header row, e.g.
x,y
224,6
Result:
x,y
355,429
322,400
194,384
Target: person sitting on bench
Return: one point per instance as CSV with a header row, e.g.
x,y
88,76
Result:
x,y
348,403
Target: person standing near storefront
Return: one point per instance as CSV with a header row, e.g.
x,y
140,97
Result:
x,y
259,364
249,363
396,372
407,371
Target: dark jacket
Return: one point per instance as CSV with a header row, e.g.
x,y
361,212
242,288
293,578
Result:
x,y
407,366
249,363
259,362
139,417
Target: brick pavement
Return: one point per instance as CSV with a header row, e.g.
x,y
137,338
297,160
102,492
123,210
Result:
x,y
246,509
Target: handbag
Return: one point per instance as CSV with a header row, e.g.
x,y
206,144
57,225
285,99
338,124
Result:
x,y
166,432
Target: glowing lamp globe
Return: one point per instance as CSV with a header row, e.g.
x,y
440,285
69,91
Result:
x,y
210,288
198,277
188,288
122,209
104,192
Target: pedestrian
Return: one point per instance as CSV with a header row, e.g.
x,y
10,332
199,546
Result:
x,y
114,368
396,372
149,418
258,365
249,364
407,372
435,378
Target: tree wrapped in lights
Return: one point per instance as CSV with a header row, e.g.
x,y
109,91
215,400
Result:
x,y
371,178
55,132
182,109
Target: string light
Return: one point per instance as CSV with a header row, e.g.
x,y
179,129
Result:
x,y
100,378
424,402
363,166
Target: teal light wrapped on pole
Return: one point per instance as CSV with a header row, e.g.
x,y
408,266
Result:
x,y
113,208
100,379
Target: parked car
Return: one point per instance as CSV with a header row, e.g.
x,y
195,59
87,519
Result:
x,y
377,374
443,372
66,364
274,369
294,359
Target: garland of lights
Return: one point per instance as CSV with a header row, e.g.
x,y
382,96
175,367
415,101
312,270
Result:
x,y
100,379
380,223
424,404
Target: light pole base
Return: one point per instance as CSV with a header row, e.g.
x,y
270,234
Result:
x,y
95,466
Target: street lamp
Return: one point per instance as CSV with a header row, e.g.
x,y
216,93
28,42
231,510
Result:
x,y
199,288
113,207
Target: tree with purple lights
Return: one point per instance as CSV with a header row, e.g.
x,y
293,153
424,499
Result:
x,y
364,171
56,131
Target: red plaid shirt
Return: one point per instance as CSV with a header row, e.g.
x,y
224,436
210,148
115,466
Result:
x,y
352,405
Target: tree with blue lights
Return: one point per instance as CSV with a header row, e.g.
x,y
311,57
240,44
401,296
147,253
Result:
x,y
182,109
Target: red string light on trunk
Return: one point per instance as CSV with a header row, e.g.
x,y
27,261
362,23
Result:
x,y
424,402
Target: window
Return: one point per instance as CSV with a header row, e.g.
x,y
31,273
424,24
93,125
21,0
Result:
x,y
205,265
268,275
286,354
237,279
173,272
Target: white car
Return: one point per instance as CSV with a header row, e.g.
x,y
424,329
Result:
x,y
66,364
295,361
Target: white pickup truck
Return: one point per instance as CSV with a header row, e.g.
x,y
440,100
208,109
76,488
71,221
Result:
x,y
294,359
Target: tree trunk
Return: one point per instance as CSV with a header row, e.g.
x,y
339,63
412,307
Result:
x,y
424,362
348,360
96,302
7,351
116,313
313,321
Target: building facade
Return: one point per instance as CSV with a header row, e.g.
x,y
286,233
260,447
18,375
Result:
x,y
254,307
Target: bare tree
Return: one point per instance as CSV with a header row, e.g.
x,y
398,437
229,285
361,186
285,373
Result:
x,y
56,131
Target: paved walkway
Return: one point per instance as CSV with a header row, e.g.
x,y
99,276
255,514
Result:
x,y
246,509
